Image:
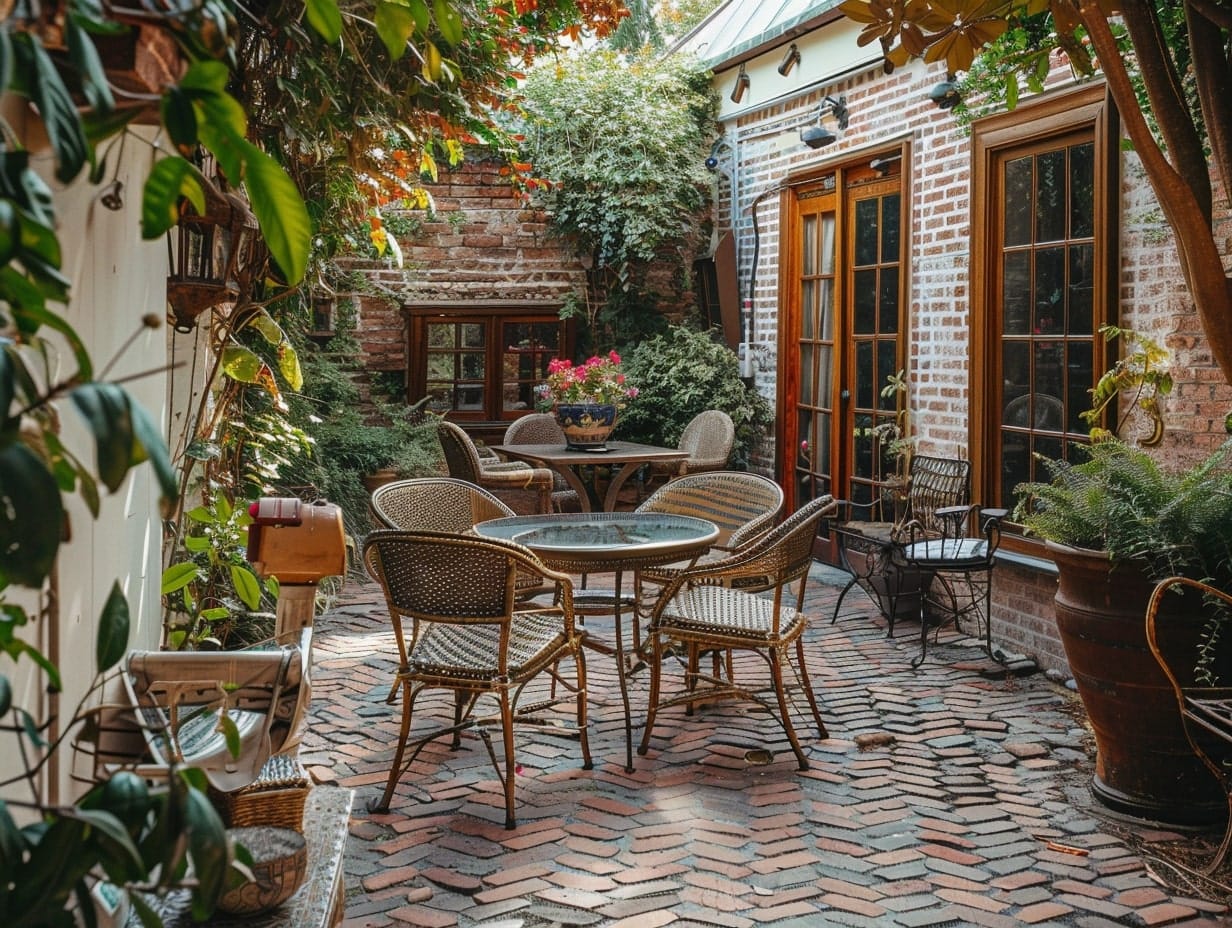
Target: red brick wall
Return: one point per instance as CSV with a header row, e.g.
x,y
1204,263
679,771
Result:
x,y
884,109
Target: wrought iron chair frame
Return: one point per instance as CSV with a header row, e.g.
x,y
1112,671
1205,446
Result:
x,y
869,550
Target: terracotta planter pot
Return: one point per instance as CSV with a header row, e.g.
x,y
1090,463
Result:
x,y
1145,766
379,478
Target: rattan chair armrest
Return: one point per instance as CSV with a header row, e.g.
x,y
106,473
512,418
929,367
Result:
x,y
529,478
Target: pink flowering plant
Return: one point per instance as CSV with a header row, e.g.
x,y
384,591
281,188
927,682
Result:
x,y
598,380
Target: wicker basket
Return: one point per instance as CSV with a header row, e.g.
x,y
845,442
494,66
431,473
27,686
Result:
x,y
276,798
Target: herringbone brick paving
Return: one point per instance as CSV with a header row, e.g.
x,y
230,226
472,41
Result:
x,y
953,794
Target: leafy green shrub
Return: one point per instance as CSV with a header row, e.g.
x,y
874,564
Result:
x,y
685,372
345,445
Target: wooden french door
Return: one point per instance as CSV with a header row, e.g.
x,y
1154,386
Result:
x,y
843,328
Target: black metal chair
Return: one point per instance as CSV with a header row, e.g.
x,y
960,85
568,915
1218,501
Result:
x,y
959,562
869,542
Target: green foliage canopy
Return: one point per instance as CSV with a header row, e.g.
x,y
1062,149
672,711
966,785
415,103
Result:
x,y
622,146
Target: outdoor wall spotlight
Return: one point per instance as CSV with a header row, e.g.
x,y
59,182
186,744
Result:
x,y
712,161
790,60
742,86
945,94
818,136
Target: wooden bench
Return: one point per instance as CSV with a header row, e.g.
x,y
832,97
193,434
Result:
x,y
1206,711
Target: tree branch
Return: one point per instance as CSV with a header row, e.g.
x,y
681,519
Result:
x,y
1211,74
1167,98
1200,258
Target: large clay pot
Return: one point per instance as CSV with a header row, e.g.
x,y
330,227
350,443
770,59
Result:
x,y
1145,765
586,425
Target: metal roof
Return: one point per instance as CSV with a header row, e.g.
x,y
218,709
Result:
x,y
739,27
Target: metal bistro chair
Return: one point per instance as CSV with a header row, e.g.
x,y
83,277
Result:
x,y
959,562
704,608
868,543
541,428
512,481
471,635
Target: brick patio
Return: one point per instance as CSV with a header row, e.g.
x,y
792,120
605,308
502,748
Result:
x,y
950,795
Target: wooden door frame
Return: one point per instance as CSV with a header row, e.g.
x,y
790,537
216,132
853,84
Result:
x,y
788,380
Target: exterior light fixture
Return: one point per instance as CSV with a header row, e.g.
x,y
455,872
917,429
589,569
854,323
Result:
x,y
818,136
790,60
205,256
946,94
742,86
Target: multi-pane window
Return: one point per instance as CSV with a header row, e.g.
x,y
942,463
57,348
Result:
x,y
1047,317
1042,254
481,366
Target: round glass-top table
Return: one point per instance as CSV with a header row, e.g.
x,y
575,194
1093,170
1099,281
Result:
x,y
586,542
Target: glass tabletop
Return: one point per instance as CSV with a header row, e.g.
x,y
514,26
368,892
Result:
x,y
602,535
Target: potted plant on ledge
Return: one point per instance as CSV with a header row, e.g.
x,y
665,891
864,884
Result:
x,y
1115,524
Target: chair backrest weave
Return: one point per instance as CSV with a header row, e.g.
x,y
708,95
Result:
x,y
936,483
435,504
708,439
788,548
461,456
538,428
741,504
440,577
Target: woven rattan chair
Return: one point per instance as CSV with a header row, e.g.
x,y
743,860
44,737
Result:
x,y
869,543
541,428
443,504
708,439
470,635
435,504
1205,705
743,505
522,487
704,609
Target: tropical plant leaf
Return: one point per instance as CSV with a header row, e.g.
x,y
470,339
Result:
x,y
448,21
178,576
394,25
207,843
108,414
31,516
170,180
247,586
325,18
280,211
112,641
38,78
85,57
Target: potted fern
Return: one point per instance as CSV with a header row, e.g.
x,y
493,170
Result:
x,y
1115,524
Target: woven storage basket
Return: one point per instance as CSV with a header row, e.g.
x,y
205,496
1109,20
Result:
x,y
276,798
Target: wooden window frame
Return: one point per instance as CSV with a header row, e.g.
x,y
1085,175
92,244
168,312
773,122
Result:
x,y
493,313
1053,115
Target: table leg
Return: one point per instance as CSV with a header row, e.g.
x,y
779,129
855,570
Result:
x,y
585,494
618,480
618,653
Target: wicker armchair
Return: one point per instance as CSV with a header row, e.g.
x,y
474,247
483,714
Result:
x,y
708,439
470,635
435,504
443,504
704,609
541,428
523,488
743,505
